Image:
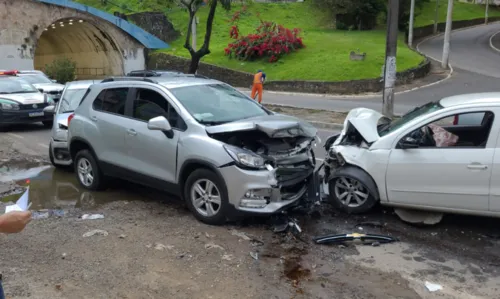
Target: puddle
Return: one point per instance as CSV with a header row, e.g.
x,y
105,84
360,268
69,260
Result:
x,y
52,191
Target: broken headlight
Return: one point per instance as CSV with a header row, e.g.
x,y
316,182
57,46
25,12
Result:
x,y
244,157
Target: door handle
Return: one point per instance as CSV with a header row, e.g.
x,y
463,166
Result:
x,y
477,166
131,132
94,118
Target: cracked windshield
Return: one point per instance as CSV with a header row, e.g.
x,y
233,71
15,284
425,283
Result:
x,y
249,149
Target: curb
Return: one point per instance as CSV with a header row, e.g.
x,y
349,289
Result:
x,y
491,42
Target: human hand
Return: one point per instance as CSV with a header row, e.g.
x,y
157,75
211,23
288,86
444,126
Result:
x,y
14,222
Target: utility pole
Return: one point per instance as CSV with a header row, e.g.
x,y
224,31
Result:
x,y
486,12
390,58
447,35
436,19
412,16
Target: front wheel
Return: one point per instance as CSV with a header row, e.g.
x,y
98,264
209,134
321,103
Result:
x,y
206,196
353,190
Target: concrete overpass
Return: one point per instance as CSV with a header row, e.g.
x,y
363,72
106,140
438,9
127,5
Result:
x,y
34,32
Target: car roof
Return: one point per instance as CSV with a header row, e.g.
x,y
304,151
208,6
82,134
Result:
x,y
471,98
30,72
81,84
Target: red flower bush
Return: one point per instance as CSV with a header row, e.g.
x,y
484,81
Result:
x,y
272,41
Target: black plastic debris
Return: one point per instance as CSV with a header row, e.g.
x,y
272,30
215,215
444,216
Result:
x,y
365,238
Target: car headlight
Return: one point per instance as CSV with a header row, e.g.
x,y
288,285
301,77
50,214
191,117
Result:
x,y
244,157
4,105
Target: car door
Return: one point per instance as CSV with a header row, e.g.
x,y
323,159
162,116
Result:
x,y
495,175
151,152
108,115
453,177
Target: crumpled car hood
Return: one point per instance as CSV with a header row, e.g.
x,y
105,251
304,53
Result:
x,y
275,126
365,121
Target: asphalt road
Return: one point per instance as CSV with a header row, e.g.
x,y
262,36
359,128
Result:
x,y
476,69
34,139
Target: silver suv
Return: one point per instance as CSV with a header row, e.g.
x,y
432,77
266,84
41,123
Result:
x,y
222,152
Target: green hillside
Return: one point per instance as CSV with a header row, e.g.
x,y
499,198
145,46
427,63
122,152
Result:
x,y
326,55
461,11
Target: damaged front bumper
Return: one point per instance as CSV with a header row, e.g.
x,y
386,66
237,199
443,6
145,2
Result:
x,y
269,191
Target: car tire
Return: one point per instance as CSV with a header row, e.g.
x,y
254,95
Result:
x,y
48,123
202,212
353,190
85,160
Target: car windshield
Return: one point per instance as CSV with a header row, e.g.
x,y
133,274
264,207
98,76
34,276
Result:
x,y
71,99
35,78
15,85
214,104
409,116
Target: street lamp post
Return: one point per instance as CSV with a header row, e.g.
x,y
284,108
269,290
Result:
x,y
447,35
412,16
390,58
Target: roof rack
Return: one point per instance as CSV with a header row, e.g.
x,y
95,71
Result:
x,y
113,79
191,75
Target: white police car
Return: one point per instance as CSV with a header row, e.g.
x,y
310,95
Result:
x,y
21,102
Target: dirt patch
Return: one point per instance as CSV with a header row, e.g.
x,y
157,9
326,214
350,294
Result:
x,y
310,114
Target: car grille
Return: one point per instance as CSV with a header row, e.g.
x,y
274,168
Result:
x,y
294,173
30,106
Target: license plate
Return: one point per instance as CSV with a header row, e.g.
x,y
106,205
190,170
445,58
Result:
x,y
35,114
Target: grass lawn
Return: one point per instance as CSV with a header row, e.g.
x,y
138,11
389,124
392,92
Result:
x,y
461,11
326,56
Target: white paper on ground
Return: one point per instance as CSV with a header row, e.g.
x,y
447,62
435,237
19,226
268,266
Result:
x,y
22,203
432,287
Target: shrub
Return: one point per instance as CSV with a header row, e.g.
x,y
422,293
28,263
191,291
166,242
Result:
x,y
271,41
61,69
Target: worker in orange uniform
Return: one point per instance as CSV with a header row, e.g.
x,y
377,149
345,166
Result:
x,y
258,81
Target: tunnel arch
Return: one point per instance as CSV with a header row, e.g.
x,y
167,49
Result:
x,y
95,52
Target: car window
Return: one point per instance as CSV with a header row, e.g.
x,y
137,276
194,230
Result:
x,y
213,104
456,131
149,104
10,85
409,116
111,100
35,78
71,99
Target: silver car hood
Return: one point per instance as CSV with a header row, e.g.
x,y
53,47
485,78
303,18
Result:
x,y
49,86
275,126
25,98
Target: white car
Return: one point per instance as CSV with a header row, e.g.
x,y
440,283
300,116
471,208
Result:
x,y
424,160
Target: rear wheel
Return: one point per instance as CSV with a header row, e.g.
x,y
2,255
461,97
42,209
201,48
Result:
x,y
206,196
87,171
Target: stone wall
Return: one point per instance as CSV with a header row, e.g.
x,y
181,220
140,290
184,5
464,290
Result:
x,y
155,23
421,32
162,61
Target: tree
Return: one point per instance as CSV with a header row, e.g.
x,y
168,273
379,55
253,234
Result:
x,y
353,14
61,69
192,6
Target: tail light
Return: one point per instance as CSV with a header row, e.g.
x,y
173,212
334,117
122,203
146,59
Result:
x,y
70,117
455,120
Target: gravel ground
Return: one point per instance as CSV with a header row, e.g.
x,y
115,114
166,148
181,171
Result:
x,y
149,246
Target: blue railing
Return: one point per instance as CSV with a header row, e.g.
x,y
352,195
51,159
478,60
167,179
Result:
x,y
147,39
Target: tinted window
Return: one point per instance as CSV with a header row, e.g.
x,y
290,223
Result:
x,y
111,100
150,104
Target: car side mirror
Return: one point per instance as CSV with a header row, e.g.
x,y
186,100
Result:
x,y
49,109
160,123
408,142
